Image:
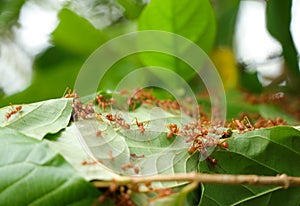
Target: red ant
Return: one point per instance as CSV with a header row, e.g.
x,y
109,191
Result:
x,y
140,126
136,169
161,192
192,149
110,117
223,144
121,122
13,111
226,134
197,145
110,153
137,156
127,166
103,102
84,162
98,133
70,94
131,166
173,130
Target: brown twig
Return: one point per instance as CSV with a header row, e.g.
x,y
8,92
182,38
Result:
x,y
279,180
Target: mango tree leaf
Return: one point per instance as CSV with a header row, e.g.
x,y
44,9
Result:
x,y
38,119
279,27
67,143
263,152
193,20
76,34
117,147
133,8
32,174
249,81
226,13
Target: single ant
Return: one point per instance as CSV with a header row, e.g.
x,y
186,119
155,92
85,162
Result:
x,y
197,145
84,162
131,166
161,192
121,121
110,153
110,117
70,94
173,130
140,126
98,133
137,156
127,166
13,111
223,144
226,134
136,169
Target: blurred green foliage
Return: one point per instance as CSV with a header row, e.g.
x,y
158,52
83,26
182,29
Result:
x,y
9,14
210,24
279,27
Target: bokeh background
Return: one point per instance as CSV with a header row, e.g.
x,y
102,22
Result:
x,y
43,44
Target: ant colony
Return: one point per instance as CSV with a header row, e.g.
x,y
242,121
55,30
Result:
x,y
131,128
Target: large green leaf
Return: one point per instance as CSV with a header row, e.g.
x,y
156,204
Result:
x,y
278,24
68,144
193,20
226,13
76,34
263,152
133,8
38,119
32,174
115,146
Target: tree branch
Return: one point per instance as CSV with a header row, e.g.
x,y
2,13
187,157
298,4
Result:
x,y
279,180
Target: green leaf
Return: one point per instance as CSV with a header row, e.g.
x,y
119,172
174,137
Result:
x,y
133,8
249,81
67,143
76,34
279,28
263,152
32,174
193,20
226,13
115,146
38,119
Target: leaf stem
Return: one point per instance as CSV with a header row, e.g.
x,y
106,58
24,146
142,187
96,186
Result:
x,y
279,180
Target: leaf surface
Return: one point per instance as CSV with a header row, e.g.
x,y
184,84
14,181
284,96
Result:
x,y
193,20
263,152
149,152
32,174
76,34
38,119
67,143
